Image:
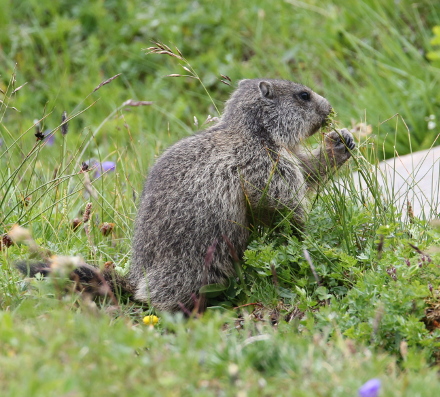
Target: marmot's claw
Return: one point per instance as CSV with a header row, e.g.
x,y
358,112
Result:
x,y
349,141
342,139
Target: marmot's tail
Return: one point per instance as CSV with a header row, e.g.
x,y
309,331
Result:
x,y
86,278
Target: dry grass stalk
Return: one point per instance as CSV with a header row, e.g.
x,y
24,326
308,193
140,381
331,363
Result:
x,y
8,107
410,211
18,88
131,102
225,79
181,75
86,216
107,81
161,48
89,187
312,266
211,119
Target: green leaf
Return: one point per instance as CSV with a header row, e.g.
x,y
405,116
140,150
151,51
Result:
x,y
212,290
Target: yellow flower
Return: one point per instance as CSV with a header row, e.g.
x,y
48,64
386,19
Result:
x,y
150,320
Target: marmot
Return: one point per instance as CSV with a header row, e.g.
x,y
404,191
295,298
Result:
x,y
208,187
207,190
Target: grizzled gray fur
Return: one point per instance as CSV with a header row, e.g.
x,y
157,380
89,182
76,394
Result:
x,y
219,182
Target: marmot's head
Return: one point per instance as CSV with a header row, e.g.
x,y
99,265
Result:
x,y
278,111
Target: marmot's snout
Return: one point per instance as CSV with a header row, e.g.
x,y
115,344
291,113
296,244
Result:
x,y
325,110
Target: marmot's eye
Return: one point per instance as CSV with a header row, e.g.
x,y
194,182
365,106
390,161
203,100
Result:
x,y
305,96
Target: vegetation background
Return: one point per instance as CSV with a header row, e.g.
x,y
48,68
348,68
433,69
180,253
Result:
x,y
369,308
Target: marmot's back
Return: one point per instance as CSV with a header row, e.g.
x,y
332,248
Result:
x,y
192,197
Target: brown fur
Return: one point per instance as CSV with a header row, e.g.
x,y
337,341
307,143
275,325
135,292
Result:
x,y
212,184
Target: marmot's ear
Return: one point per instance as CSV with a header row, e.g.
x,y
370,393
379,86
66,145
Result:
x,y
266,89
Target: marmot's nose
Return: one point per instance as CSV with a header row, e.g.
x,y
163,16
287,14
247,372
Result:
x,y
324,105
326,108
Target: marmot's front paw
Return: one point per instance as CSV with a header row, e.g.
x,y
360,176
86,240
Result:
x,y
340,140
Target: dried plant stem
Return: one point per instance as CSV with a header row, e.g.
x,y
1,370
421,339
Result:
x,y
163,49
312,266
106,82
203,85
86,218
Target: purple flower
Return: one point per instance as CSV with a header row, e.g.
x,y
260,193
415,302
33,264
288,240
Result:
x,y
370,388
50,139
106,166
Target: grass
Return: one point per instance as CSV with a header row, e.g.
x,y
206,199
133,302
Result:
x,y
369,309
115,357
376,51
